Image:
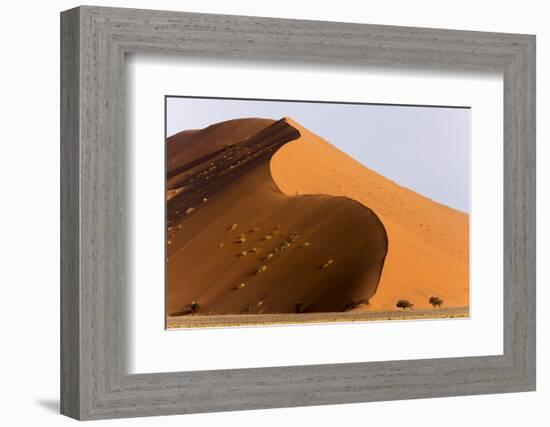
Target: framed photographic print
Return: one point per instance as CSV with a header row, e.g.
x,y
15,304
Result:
x,y
288,222
261,213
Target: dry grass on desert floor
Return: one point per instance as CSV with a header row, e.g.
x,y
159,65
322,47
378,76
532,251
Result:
x,y
213,321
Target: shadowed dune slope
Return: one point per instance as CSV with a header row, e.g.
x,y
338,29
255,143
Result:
x,y
193,144
198,145
428,251
237,244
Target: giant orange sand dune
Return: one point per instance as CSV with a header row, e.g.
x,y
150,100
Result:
x,y
266,217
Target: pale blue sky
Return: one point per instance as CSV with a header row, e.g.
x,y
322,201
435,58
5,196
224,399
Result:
x,y
426,149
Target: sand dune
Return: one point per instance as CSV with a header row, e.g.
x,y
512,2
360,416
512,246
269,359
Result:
x,y
428,251
237,244
266,217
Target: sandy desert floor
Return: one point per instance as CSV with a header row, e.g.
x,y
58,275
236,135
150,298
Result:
x,y
193,321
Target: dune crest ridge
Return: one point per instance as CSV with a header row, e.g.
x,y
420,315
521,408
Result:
x,y
428,251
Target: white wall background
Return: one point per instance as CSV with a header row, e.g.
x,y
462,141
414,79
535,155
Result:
x,y
29,225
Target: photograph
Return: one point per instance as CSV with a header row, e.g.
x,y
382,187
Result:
x,y
283,212
318,212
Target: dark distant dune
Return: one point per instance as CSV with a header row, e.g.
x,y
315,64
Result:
x,y
189,145
237,244
220,165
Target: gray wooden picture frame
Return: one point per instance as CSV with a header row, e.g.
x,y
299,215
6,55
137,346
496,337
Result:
x,y
94,381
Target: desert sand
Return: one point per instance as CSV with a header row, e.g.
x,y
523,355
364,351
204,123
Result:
x,y
356,315
428,251
265,217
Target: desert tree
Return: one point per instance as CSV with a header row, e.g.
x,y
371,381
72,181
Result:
x,y
436,302
403,303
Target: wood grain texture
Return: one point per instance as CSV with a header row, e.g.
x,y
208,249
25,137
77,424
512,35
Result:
x,y
70,314
95,274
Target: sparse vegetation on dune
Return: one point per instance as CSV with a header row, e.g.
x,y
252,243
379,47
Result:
x,y
353,304
328,263
194,306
